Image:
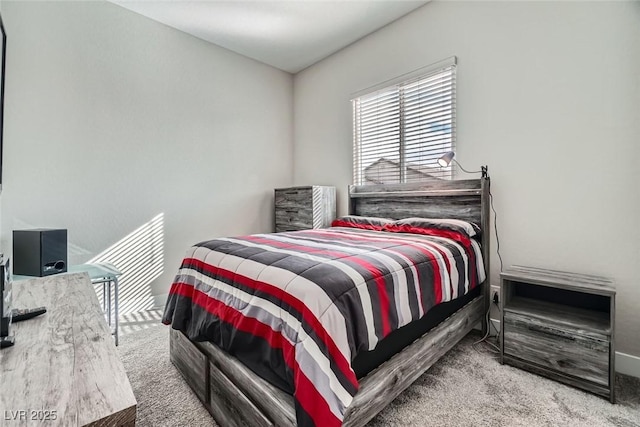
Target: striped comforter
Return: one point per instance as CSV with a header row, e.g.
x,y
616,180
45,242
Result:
x,y
297,307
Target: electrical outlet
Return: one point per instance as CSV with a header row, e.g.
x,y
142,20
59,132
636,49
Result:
x,y
496,298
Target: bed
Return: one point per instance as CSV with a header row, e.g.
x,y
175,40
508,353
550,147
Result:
x,y
338,358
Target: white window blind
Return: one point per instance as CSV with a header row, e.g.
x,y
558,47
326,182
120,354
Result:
x,y
400,130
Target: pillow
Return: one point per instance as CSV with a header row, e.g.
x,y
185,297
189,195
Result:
x,y
431,226
365,222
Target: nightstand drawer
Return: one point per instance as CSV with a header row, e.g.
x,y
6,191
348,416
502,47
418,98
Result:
x,y
542,343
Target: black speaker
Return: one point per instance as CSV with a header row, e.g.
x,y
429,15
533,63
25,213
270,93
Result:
x,y
39,252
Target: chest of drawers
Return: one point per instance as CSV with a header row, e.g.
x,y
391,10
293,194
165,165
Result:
x,y
302,208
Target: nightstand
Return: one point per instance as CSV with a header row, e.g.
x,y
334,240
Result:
x,y
559,325
302,208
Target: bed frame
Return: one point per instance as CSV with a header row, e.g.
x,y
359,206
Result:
x,y
235,396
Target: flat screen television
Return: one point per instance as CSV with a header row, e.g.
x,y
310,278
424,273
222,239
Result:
x,y
4,60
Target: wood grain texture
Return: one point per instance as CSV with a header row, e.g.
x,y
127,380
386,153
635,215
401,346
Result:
x,y
65,360
273,402
193,365
485,241
559,376
324,198
294,197
533,340
465,208
612,351
230,407
302,208
432,186
249,392
580,321
570,339
561,280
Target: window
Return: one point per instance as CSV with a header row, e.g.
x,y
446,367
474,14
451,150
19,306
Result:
x,y
402,127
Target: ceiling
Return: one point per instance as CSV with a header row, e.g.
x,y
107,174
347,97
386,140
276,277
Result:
x,y
286,34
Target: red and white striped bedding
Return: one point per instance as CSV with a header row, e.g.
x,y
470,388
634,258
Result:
x,y
297,307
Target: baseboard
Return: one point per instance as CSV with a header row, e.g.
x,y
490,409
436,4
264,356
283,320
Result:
x,y
159,301
628,364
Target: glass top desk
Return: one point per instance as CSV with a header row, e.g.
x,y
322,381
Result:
x,y
99,273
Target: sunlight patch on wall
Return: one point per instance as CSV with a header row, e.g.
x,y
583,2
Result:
x,y
140,258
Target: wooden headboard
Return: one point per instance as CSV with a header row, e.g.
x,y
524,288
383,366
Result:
x,y
460,199
464,199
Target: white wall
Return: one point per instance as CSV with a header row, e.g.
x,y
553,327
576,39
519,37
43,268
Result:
x,y
113,119
548,96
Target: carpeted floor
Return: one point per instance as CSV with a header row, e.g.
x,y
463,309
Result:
x,y
467,387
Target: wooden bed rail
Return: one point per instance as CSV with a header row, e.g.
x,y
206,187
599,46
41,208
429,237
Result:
x,y
394,376
235,396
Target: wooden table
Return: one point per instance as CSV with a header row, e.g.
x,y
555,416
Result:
x,y
64,368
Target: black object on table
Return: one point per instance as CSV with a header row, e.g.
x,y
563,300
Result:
x,y
18,315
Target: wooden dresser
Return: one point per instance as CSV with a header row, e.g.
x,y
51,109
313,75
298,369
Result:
x,y
560,325
64,368
301,208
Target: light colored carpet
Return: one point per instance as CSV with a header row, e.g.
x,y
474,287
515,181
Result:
x,y
467,387
164,399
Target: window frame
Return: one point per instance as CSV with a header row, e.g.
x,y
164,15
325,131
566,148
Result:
x,y
400,83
